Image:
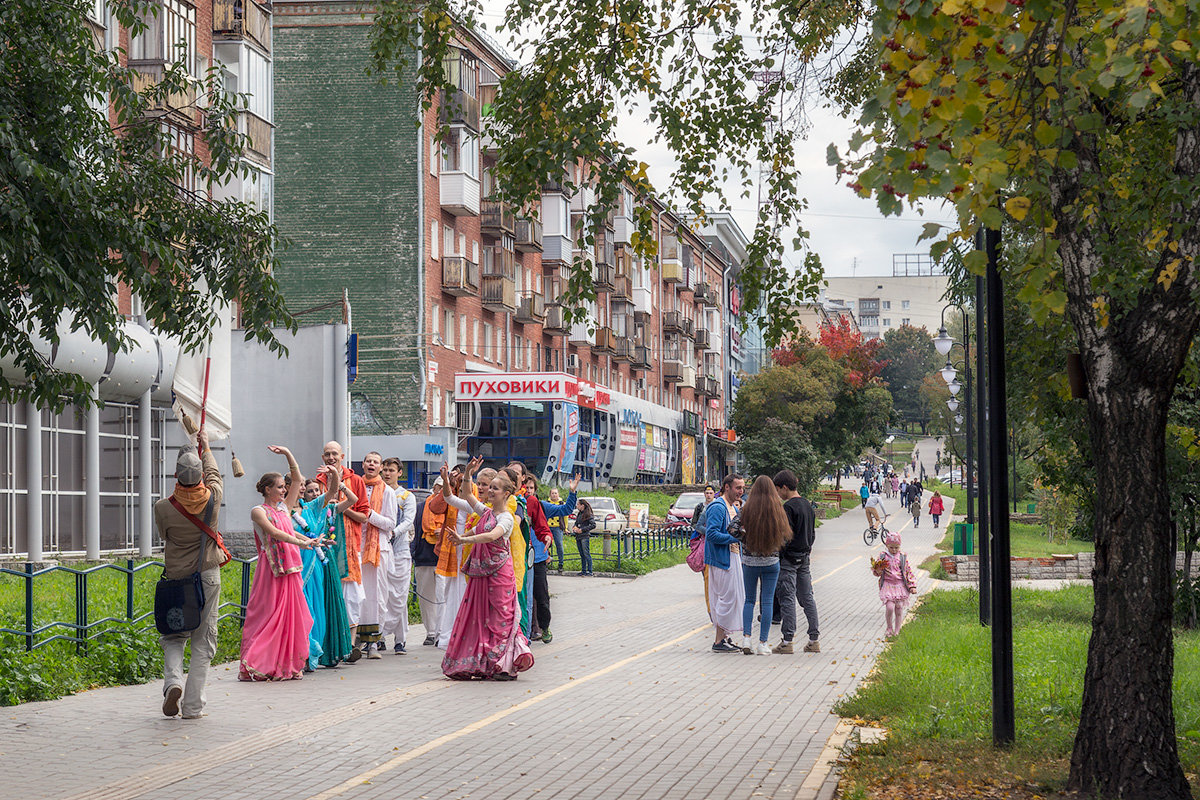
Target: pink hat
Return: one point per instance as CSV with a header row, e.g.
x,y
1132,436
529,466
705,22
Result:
x,y
891,537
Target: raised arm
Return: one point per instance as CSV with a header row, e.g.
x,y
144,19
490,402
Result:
x,y
293,492
334,480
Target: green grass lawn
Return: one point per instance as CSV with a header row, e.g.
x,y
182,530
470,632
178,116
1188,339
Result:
x,y
931,689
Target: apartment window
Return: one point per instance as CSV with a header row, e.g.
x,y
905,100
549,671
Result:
x,y
448,327
448,241
904,304
905,321
462,70
487,341
460,152
887,305
462,333
436,315
181,144
437,407
433,240
887,322
169,35
435,154
475,338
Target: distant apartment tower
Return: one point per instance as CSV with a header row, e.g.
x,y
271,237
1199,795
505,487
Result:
x,y
911,295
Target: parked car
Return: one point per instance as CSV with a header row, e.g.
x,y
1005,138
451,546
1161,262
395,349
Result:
x,y
684,506
954,476
607,514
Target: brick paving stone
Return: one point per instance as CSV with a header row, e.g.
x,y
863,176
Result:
x,y
679,721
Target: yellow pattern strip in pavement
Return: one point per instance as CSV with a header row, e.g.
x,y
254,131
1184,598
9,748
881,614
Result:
x,y
417,752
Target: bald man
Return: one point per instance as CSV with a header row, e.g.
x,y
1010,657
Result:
x,y
347,549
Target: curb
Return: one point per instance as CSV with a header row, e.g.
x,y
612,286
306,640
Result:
x,y
822,782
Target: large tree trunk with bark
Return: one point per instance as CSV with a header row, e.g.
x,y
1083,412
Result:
x,y
1125,746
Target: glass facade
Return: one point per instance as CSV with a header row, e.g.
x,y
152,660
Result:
x,y
518,431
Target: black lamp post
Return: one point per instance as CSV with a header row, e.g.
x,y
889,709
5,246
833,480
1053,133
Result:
x,y
944,345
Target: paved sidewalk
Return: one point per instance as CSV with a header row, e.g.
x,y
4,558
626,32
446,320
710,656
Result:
x,y
627,702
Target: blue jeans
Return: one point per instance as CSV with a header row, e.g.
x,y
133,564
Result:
x,y
754,578
585,554
558,536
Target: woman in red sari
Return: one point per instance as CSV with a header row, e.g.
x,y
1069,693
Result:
x,y
487,641
275,633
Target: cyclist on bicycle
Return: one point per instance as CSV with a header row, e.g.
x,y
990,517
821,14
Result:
x,y
876,513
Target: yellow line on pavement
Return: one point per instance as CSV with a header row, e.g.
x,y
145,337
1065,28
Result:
x,y
387,766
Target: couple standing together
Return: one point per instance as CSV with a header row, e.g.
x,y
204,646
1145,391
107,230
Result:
x,y
765,546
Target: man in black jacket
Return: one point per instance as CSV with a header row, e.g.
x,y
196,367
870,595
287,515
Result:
x,y
795,576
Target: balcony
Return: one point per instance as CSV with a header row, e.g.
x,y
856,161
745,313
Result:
x,y
672,322
580,335
641,356
556,250
496,218
623,230
460,277
708,387
687,376
459,193
643,303
499,294
181,105
706,294
528,236
606,341
689,328
242,19
602,276
498,261
702,339
258,138
583,198
672,371
605,252
671,271
622,291
532,309
459,108
554,323
624,350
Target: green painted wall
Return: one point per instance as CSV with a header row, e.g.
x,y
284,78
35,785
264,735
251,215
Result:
x,y
346,167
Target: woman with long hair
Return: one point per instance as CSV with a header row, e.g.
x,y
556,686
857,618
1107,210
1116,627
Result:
x,y
765,529
275,633
487,641
585,523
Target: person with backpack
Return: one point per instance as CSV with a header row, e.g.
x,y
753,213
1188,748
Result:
x,y
795,575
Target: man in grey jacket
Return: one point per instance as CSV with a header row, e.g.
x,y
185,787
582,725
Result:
x,y
198,489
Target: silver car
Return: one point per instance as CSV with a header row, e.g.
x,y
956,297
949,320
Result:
x,y
607,514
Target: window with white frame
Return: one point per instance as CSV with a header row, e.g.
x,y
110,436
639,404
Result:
x,y
257,83
448,327
904,304
436,316
437,407
434,235
462,332
475,338
449,241
460,152
487,341
169,35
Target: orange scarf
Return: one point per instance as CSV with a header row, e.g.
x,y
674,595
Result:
x,y
193,498
370,544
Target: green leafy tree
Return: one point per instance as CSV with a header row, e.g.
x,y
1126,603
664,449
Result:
x,y
908,357
87,206
1082,122
783,445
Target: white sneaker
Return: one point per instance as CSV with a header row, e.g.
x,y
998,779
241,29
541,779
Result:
x,y
747,646
762,649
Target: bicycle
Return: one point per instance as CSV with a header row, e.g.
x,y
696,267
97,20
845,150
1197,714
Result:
x,y
871,534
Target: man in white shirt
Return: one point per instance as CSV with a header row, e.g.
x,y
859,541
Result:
x,y
376,552
876,513
395,610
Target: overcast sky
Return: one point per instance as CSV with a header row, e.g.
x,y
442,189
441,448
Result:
x,y
849,234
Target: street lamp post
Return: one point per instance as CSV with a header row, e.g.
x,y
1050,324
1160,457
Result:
x,y
944,344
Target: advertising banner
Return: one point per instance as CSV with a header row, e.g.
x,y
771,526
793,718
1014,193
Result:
x,y
593,456
639,515
570,438
688,455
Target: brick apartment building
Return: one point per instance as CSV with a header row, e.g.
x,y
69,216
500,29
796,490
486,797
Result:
x,y
462,346
84,480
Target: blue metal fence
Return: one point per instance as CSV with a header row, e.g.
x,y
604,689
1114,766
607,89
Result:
x,y
83,629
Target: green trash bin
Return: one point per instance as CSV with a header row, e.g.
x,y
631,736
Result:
x,y
964,539
1031,508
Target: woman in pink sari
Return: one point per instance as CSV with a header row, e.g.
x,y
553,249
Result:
x,y
275,633
487,641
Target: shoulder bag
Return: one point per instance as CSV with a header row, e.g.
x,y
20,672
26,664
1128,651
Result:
x,y
178,603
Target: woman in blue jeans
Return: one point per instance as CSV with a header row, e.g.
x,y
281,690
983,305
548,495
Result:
x,y
764,530
585,523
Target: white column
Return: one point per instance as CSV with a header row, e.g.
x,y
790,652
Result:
x,y
91,460
145,479
33,482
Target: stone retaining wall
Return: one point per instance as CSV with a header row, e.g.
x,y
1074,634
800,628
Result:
x,y
1055,567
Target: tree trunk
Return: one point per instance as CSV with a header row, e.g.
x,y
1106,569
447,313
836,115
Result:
x,y
1125,746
